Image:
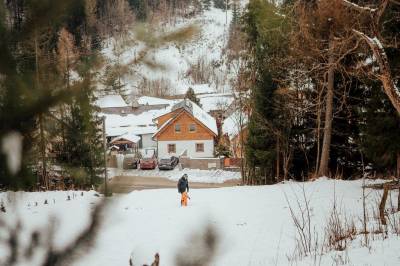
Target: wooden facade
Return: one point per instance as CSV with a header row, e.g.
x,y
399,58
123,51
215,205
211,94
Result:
x,y
185,121
180,133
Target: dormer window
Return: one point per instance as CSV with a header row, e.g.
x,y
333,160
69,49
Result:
x,y
177,128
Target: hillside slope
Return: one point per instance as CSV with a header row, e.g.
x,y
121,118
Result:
x,y
171,68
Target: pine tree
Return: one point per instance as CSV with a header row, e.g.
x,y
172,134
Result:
x,y
260,145
140,8
207,4
269,123
235,12
234,41
380,131
191,95
221,4
222,150
33,79
83,151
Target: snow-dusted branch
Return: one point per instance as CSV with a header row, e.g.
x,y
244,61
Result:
x,y
385,73
359,8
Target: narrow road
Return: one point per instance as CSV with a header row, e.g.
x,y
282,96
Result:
x,y
126,184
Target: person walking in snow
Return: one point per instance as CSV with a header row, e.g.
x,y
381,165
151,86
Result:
x,y
183,188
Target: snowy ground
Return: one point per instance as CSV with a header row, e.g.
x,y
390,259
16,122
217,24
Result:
x,y
253,223
195,175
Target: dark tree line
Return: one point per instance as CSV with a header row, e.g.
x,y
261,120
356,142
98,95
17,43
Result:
x,y
319,97
36,83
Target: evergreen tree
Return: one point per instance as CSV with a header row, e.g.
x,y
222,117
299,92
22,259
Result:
x,y
206,4
28,82
269,122
235,12
345,155
83,150
380,131
261,141
141,8
222,150
191,95
221,4
234,28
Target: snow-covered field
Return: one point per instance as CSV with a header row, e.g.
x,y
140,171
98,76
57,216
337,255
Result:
x,y
253,224
195,175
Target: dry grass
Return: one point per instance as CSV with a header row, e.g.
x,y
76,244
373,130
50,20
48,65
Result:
x,y
340,229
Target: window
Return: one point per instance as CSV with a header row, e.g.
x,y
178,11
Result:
x,y
177,128
192,127
199,147
171,148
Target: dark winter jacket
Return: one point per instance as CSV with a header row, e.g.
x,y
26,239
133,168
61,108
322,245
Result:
x,y
183,185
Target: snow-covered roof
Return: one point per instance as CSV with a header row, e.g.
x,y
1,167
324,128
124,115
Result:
x,y
216,101
202,88
147,100
202,116
128,136
140,124
111,101
117,131
136,123
231,125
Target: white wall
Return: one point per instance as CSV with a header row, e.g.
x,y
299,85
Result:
x,y
189,146
148,142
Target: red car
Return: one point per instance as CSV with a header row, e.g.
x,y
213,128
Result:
x,y
148,163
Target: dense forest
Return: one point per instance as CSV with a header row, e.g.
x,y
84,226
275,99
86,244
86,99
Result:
x,y
324,91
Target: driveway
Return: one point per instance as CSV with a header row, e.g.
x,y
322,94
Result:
x,y
126,184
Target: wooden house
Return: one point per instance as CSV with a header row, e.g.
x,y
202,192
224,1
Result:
x,y
186,130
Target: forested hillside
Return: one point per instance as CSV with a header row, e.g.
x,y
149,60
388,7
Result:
x,y
198,59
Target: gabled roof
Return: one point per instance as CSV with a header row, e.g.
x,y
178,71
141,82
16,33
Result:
x,y
109,101
163,126
205,118
194,110
128,136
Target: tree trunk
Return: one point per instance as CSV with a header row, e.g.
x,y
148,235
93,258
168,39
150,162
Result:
x,y
277,159
41,128
398,166
43,152
398,178
383,204
324,162
318,137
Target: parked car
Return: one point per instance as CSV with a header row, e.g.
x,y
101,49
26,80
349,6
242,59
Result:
x,y
148,163
130,163
168,163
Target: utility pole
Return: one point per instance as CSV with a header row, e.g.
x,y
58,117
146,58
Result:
x,y
226,12
105,156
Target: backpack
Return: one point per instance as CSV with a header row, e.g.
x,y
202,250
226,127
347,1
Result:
x,y
181,185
